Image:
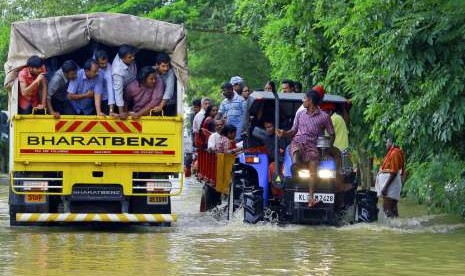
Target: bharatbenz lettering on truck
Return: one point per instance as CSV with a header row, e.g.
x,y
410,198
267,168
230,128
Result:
x,y
87,168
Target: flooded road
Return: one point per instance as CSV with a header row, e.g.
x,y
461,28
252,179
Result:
x,y
417,244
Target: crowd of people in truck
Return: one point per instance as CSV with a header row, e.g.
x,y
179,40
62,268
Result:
x,y
100,87
221,129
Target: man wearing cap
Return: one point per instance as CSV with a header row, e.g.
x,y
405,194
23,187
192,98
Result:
x,y
238,84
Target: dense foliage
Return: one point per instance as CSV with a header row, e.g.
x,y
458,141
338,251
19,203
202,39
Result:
x,y
216,50
401,62
439,183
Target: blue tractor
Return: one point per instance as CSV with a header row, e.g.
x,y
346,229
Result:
x,y
269,187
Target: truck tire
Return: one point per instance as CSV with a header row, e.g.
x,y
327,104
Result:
x,y
13,210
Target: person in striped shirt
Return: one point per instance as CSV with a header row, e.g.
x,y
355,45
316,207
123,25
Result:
x,y
309,124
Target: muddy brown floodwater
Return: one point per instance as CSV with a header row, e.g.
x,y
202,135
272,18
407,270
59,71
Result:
x,y
198,244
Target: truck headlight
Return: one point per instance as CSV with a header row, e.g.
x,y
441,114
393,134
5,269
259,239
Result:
x,y
159,185
326,174
304,173
35,185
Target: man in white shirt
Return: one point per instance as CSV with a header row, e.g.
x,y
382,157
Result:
x,y
124,71
197,124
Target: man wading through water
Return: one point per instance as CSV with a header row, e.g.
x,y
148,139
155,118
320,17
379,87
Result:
x,y
389,179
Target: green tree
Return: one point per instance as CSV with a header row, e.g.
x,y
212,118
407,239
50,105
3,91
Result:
x,y
400,61
217,50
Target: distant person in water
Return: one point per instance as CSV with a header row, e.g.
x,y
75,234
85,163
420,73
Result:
x,y
389,179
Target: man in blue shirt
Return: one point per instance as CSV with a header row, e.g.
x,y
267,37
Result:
x,y
102,100
81,90
232,108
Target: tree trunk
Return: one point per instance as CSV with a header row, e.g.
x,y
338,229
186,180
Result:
x,y
365,169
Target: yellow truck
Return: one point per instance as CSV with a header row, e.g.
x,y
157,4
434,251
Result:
x,y
87,168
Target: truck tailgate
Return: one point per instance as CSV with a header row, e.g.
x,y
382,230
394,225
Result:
x,y
95,139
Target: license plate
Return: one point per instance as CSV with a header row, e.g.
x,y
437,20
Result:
x,y
157,200
34,198
300,197
323,197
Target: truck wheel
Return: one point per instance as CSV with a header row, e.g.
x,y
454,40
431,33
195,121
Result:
x,y
13,210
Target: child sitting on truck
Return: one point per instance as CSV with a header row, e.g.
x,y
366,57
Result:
x,y
226,142
31,81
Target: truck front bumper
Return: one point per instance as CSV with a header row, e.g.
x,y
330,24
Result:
x,y
88,217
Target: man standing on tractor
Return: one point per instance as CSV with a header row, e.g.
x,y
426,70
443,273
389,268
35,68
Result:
x,y
309,124
232,108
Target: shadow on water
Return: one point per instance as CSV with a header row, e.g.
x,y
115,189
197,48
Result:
x,y
200,244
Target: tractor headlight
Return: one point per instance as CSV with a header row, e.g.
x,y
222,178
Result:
x,y
304,173
326,174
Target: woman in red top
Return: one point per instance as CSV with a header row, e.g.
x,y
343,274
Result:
x,y
207,127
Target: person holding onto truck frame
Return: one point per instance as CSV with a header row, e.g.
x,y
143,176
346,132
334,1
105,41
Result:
x,y
32,82
57,96
225,142
107,97
165,71
197,123
124,71
81,90
145,93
